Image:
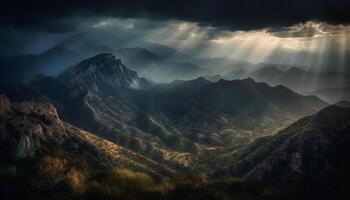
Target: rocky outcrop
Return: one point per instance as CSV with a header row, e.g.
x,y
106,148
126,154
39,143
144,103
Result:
x,y
30,129
101,72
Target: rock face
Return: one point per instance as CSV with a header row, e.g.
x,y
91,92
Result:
x,y
101,72
181,123
27,128
30,129
312,149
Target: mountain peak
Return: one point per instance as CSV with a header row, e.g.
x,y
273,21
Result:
x,y
249,80
99,72
56,50
201,79
295,70
269,68
193,84
103,56
104,61
241,81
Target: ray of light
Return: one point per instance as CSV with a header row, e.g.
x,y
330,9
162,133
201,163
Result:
x,y
310,45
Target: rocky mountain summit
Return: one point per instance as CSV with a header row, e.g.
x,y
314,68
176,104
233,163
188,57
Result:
x,y
100,72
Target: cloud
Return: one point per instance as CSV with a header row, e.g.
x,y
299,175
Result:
x,y
252,30
309,29
228,14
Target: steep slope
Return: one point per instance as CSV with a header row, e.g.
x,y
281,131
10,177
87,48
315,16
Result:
x,y
314,149
33,130
96,95
43,157
191,116
100,72
239,96
229,112
177,124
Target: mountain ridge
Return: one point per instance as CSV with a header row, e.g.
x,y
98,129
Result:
x,y
34,129
295,78
100,71
174,124
311,149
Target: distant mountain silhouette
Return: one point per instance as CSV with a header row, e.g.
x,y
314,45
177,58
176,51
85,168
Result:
x,y
85,47
294,78
159,67
23,67
333,95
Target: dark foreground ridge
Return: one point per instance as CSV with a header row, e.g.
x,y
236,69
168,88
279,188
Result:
x,y
312,152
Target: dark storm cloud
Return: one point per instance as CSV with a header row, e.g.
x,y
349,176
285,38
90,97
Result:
x,y
116,32
234,14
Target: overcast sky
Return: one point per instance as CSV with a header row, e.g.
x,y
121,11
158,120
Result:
x,y
311,33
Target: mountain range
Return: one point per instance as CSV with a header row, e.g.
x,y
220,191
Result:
x,y
161,68
171,123
99,118
295,78
153,61
333,95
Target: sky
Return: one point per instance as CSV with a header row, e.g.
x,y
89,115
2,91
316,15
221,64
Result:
x,y
314,34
